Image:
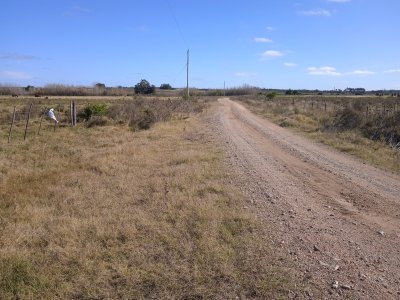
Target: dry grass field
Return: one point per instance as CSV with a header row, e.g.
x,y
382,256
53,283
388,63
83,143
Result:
x,y
111,213
366,127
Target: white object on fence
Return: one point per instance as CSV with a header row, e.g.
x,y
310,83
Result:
x,y
51,115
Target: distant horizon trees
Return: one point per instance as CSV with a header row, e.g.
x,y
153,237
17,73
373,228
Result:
x,y
165,86
144,87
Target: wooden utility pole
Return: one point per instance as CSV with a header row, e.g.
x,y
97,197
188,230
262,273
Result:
x,y
187,75
224,88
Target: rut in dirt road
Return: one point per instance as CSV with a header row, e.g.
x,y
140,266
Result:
x,y
337,218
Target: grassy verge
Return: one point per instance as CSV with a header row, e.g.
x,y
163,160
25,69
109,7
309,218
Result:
x,y
325,127
104,212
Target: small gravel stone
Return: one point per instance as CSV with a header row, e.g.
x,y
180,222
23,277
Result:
x,y
345,287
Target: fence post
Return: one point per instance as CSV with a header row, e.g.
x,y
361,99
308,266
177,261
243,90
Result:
x,y
27,120
74,112
71,113
12,123
40,124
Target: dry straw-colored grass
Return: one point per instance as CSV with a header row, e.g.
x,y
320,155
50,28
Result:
x,y
107,213
309,117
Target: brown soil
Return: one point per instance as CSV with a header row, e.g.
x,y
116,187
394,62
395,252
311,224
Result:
x,y
336,219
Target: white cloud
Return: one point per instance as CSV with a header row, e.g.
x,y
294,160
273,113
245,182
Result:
x,y
323,71
289,64
245,74
77,10
15,75
316,12
333,72
272,53
339,1
393,71
270,28
262,40
361,72
16,56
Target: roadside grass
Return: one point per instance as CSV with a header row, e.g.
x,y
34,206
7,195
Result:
x,y
313,123
107,213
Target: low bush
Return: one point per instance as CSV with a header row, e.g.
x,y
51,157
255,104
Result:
x,y
142,120
95,109
97,121
387,129
142,113
347,119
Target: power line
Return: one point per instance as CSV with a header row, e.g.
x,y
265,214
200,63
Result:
x,y
180,73
176,21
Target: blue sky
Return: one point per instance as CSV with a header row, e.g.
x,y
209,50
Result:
x,y
313,44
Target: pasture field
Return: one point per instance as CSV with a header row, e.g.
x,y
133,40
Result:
x,y
114,212
364,126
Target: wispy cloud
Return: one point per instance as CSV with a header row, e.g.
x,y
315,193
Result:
x,y
289,64
76,10
16,56
315,13
270,28
245,74
330,71
361,72
15,75
80,9
339,1
393,71
262,40
140,28
272,53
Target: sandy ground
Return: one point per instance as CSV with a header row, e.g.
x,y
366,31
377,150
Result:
x,y
336,220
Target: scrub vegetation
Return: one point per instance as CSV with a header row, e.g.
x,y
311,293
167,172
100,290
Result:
x,y
366,126
115,212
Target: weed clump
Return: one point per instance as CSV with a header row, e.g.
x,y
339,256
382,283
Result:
x,y
347,119
387,129
141,114
144,119
97,121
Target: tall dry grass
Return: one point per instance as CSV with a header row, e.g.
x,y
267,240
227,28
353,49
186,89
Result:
x,y
366,127
107,213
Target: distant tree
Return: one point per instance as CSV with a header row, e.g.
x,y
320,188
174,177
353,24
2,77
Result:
x,y
271,95
144,87
29,88
165,86
100,86
291,92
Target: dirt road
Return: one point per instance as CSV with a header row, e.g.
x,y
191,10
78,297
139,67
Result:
x,y
336,219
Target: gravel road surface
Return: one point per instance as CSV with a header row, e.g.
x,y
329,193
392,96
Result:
x,y
336,219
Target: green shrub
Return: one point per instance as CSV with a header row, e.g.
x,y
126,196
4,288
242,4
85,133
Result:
x,y
90,110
